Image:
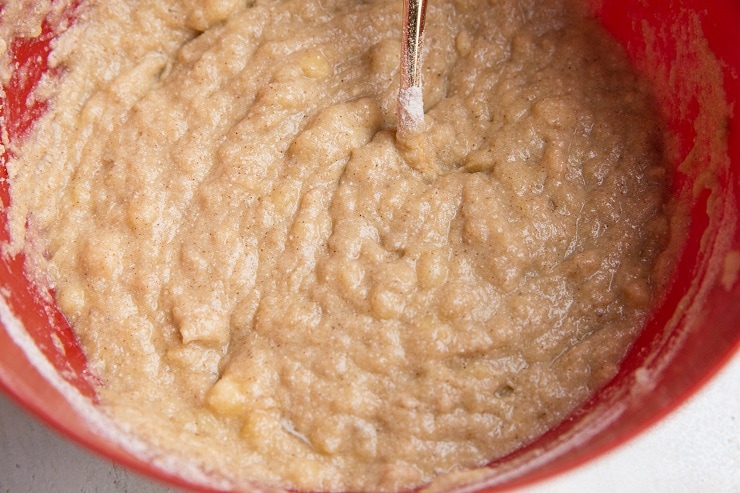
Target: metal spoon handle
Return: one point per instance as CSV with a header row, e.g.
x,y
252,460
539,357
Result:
x,y
411,138
413,30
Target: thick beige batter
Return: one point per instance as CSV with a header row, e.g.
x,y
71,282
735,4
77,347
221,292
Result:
x,y
265,285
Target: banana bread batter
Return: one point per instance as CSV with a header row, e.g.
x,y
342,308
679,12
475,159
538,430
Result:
x,y
265,285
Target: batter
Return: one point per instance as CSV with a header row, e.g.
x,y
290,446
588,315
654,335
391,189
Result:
x,y
265,285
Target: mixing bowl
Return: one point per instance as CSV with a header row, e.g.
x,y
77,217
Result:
x,y
687,50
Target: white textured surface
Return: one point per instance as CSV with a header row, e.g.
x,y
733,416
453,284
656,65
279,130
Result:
x,y
411,108
697,449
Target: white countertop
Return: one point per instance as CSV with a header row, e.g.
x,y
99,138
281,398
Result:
x,y
697,449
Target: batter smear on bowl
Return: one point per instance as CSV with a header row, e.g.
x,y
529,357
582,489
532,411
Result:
x,y
265,285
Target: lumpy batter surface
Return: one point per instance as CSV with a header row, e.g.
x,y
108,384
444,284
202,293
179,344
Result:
x,y
265,285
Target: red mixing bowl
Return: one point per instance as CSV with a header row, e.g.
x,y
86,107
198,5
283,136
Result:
x,y
688,50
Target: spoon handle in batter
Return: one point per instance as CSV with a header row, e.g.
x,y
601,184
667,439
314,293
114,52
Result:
x,y
411,42
410,103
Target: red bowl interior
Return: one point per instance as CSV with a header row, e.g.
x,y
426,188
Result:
x,y
687,49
